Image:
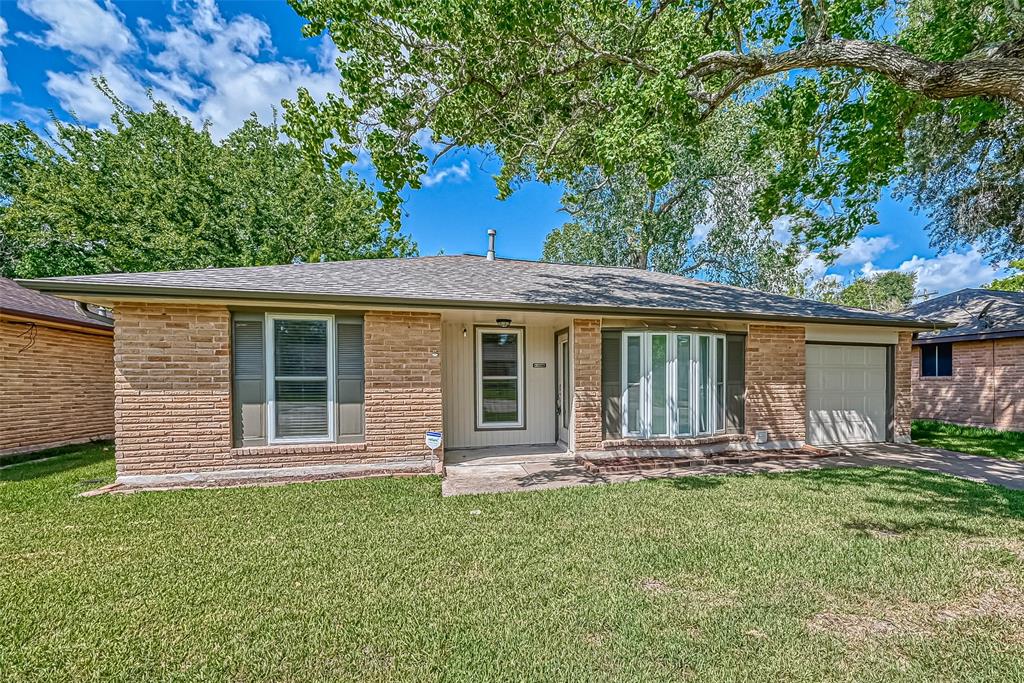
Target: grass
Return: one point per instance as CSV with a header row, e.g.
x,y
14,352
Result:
x,y
976,440
840,575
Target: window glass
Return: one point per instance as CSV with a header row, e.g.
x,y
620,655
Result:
x,y
669,387
704,385
937,360
500,368
683,384
633,374
300,379
719,383
659,384
944,359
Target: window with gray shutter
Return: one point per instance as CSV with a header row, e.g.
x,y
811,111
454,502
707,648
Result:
x,y
249,381
315,391
350,378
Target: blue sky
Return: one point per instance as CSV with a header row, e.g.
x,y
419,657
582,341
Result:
x,y
219,61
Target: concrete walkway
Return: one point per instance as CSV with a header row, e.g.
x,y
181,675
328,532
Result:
x,y
535,468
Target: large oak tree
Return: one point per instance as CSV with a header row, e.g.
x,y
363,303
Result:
x,y
853,96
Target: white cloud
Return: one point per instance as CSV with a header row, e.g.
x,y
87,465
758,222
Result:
x,y
456,173
81,27
5,81
864,249
207,67
814,266
946,272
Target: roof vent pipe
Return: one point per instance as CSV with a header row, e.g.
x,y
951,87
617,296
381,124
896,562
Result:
x,y
490,243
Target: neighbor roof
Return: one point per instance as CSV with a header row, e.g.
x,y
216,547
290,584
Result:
x,y
17,300
976,314
475,282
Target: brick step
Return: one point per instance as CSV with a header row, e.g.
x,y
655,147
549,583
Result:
x,y
647,463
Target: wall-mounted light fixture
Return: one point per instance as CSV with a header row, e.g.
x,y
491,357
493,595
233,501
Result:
x,y
464,333
503,322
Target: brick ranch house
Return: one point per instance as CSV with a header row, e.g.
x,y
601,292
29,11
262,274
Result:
x,y
973,373
56,372
338,369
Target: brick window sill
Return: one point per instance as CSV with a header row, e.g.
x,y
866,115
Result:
x,y
936,378
300,449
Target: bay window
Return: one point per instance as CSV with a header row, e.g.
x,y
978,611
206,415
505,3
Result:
x,y
673,384
499,378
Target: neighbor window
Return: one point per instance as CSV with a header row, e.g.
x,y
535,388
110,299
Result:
x,y
673,384
937,360
296,378
499,378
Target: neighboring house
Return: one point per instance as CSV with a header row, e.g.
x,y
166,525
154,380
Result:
x,y
56,372
973,373
333,369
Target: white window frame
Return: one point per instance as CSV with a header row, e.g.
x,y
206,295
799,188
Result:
x,y
646,370
332,381
520,378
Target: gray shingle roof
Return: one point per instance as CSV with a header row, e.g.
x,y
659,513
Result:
x,y
473,281
1003,318
16,299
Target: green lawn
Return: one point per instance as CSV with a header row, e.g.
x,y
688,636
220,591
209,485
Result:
x,y
974,440
845,575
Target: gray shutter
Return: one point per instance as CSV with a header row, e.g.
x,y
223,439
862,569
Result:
x,y
351,384
249,394
611,383
735,386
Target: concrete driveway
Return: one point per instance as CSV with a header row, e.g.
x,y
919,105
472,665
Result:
x,y
536,468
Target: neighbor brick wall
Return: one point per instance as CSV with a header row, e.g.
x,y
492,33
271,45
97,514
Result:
x,y
173,393
986,389
56,386
903,403
586,398
776,382
403,383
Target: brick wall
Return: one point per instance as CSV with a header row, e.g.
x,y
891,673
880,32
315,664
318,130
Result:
x,y
172,387
986,389
56,386
403,383
776,382
173,393
586,399
902,388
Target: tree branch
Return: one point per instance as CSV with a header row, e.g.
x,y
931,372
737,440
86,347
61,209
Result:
x,y
992,77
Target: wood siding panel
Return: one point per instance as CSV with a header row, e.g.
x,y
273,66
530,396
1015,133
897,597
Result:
x,y
460,382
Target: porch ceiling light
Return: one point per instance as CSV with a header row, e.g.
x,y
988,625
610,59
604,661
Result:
x,y
503,322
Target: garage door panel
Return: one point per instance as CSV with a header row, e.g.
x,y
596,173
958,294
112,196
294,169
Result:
x,y
846,388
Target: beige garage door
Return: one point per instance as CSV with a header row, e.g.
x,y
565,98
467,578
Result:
x,y
845,394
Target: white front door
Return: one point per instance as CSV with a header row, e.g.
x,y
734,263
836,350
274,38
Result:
x,y
563,396
846,388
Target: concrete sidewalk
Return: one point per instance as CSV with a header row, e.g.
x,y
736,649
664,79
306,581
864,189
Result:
x,y
538,468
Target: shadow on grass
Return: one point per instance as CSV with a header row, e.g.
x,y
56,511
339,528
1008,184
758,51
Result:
x,y
57,461
922,492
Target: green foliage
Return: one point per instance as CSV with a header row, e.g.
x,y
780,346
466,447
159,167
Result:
x,y
153,193
554,87
701,223
1010,283
889,292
